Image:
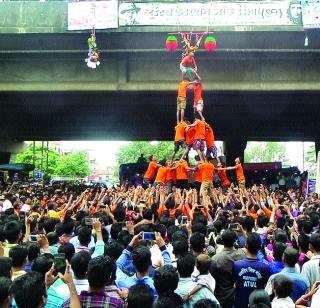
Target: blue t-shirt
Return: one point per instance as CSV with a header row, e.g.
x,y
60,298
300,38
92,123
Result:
x,y
249,274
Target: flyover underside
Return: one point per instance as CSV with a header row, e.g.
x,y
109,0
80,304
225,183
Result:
x,y
265,89
151,115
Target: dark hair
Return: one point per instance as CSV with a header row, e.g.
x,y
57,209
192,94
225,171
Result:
x,y
166,280
5,267
28,290
141,258
206,303
259,299
199,227
68,226
147,214
253,242
307,227
180,247
247,223
303,242
33,251
79,264
197,242
203,263
140,295
11,231
53,238
42,264
113,249
278,250
5,284
49,224
18,255
185,265
101,271
84,236
68,250
281,236
179,235
119,213
116,228
290,256
315,241
228,237
283,286
168,301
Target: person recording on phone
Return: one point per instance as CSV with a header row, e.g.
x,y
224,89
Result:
x,y
141,259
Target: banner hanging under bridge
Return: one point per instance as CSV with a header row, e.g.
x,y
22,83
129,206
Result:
x,y
216,13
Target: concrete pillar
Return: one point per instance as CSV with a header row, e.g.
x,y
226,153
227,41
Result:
x,y
317,146
8,147
234,147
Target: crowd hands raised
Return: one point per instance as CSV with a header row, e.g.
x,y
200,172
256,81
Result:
x,y
151,247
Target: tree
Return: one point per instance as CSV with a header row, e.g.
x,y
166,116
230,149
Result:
x,y
26,157
311,159
131,152
265,152
75,164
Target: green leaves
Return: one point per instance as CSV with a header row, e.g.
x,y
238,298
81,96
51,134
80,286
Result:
x,y
75,164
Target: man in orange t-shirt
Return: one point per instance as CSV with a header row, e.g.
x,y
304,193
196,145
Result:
x,y
207,170
161,176
171,178
225,183
197,175
190,133
179,138
182,177
199,137
239,172
151,171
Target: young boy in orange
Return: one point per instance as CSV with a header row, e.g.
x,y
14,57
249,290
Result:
x,y
190,133
239,172
179,138
151,171
182,177
209,137
182,99
198,101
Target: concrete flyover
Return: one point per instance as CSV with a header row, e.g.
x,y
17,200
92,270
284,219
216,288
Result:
x,y
258,85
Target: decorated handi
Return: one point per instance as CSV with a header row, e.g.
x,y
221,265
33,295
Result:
x,y
93,53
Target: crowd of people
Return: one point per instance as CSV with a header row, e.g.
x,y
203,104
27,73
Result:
x,y
73,246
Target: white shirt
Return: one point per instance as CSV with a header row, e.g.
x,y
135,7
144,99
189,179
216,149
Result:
x,y
286,302
315,300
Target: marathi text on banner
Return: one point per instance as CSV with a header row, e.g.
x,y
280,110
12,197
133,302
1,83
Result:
x,y
272,13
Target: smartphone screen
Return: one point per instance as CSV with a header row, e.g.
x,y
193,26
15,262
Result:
x,y
148,236
33,238
88,221
184,219
60,262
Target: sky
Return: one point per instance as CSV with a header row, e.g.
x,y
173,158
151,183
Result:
x,y
105,151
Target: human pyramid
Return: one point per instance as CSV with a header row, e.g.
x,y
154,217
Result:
x,y
198,135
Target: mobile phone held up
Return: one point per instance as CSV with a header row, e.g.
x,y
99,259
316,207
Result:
x,y
184,220
59,261
150,236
